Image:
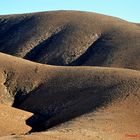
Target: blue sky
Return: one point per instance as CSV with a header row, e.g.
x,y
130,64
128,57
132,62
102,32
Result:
x,y
126,9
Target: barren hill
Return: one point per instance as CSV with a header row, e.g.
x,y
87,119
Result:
x,y
71,38
59,94
70,74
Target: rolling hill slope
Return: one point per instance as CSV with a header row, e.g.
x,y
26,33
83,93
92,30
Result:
x,y
71,38
59,94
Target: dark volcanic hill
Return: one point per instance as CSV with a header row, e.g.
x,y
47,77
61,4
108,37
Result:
x,y
71,38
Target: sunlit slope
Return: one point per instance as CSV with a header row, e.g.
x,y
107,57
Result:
x,y
13,121
63,93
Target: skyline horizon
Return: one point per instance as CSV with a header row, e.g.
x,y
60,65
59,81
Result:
x,y
127,9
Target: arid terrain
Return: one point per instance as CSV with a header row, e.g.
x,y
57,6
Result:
x,y
67,75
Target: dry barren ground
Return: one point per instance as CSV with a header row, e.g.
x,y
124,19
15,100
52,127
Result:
x,y
94,93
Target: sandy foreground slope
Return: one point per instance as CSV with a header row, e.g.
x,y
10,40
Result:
x,y
13,121
93,102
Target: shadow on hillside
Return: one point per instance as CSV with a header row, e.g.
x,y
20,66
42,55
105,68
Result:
x,y
87,102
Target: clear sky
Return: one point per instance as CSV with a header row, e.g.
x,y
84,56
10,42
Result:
x,y
126,9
